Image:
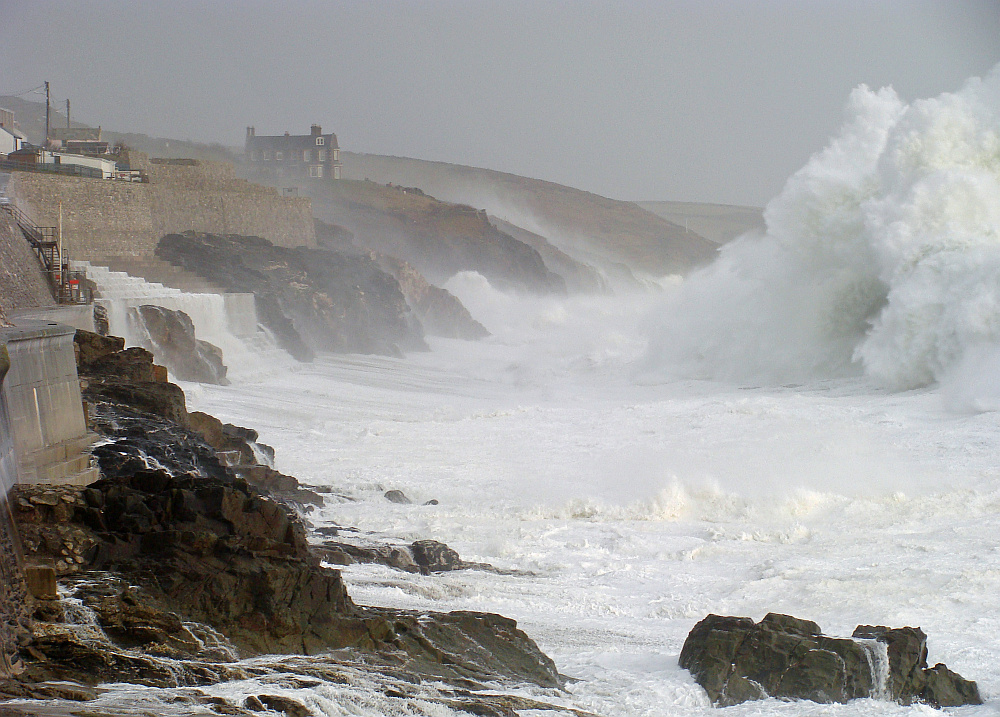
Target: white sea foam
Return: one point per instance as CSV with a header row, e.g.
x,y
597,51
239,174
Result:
x,y
632,506
881,256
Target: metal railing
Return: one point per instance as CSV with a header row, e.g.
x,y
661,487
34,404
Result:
x,y
68,287
73,170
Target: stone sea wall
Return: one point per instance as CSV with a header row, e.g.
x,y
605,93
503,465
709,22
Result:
x,y
102,218
22,283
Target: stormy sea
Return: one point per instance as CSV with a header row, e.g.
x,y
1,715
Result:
x,y
808,426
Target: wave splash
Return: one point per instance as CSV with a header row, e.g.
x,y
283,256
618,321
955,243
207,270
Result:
x,y
881,256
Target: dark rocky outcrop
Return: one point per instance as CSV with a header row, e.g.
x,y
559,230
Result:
x,y
440,311
736,660
437,238
171,339
172,566
310,299
129,377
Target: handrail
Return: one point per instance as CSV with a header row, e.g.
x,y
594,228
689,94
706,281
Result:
x,y
65,285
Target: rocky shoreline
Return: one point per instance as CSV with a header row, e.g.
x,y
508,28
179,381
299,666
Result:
x,y
191,555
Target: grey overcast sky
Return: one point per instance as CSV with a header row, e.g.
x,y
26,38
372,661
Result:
x,y
697,100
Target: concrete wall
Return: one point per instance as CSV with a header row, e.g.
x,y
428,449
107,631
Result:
x,y
45,411
22,282
103,218
13,597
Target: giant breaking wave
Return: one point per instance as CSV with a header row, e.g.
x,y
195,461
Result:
x,y
881,255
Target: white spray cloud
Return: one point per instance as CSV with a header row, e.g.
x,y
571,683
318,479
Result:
x,y
882,256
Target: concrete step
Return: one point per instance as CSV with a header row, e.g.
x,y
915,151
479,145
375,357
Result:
x,y
67,462
156,270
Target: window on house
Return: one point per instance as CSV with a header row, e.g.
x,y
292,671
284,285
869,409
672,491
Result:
x,y
253,156
336,155
336,171
320,141
321,155
306,154
315,170
278,156
265,155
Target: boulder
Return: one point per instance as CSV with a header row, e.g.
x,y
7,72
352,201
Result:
x,y
171,338
736,660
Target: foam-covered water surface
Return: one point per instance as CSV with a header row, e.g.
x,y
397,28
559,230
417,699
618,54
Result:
x,y
639,505
804,427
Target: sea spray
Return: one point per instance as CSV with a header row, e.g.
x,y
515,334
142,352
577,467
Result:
x,y
228,322
881,256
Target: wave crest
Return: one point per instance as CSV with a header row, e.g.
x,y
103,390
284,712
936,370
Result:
x,y
881,255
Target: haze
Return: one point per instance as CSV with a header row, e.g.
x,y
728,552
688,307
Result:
x,y
697,101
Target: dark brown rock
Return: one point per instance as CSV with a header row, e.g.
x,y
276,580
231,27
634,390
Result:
x,y
311,299
736,660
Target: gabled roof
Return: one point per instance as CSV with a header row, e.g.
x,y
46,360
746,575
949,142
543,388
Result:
x,y
288,142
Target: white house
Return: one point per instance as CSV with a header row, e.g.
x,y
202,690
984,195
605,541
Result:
x,y
10,140
95,165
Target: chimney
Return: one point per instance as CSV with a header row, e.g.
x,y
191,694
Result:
x,y
250,132
316,130
286,134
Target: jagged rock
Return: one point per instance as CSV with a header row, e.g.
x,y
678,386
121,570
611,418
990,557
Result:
x,y
438,238
182,563
126,376
736,660
311,299
440,311
173,343
910,680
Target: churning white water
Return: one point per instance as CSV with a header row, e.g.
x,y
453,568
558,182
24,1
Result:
x,y
881,257
228,321
777,433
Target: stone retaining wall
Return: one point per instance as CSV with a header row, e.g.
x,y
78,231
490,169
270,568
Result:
x,y
22,283
103,218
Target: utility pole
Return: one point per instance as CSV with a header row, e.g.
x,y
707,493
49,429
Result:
x,y
68,125
47,106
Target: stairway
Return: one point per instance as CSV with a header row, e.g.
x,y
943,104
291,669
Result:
x,y
157,271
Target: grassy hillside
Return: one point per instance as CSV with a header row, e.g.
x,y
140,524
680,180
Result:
x,y
719,223
584,225
438,238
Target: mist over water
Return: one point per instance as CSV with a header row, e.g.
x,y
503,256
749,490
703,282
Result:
x,y
881,258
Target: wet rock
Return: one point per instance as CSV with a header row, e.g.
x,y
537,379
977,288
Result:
x,y
397,496
126,376
440,312
310,299
736,660
433,556
286,705
171,338
910,680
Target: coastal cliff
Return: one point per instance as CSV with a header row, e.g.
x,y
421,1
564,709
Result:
x,y
310,299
